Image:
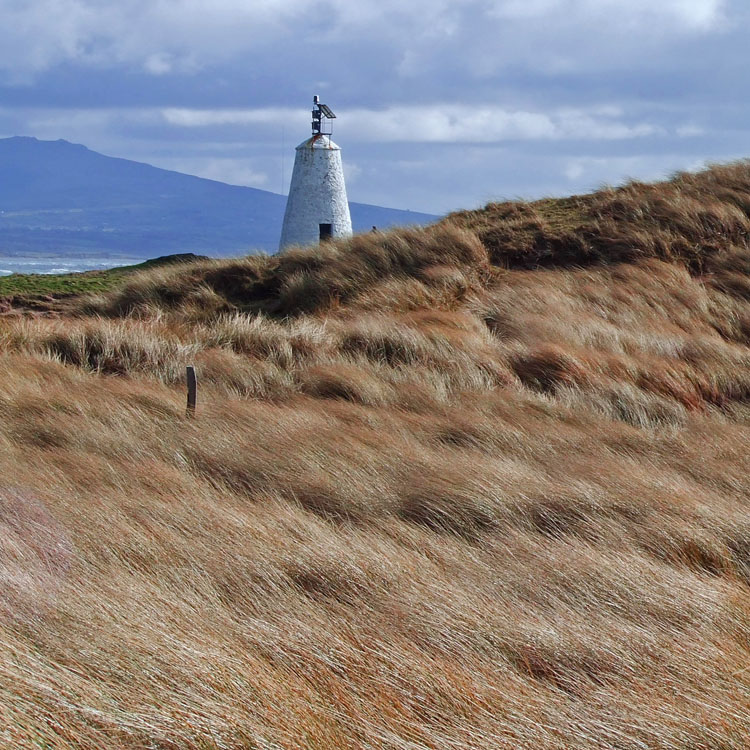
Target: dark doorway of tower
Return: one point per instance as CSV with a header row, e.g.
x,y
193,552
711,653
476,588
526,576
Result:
x,y
326,232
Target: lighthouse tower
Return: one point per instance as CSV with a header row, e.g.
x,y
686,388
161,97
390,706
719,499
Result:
x,y
317,209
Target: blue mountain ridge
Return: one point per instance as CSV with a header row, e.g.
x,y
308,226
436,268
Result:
x,y
62,199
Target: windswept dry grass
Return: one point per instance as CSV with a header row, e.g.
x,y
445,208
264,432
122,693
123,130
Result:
x,y
459,487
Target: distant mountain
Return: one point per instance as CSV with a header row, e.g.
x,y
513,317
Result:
x,y
62,199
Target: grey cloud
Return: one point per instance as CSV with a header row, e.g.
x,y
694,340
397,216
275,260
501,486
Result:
x,y
442,103
191,34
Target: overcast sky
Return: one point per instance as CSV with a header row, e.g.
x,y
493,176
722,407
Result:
x,y
441,104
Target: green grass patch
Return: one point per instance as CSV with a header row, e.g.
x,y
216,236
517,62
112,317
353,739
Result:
x,y
85,282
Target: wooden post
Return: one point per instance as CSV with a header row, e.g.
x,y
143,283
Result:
x,y
192,391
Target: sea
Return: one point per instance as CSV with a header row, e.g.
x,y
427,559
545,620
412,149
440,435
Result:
x,y
51,265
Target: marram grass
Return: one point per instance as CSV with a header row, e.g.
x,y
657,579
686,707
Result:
x,y
482,485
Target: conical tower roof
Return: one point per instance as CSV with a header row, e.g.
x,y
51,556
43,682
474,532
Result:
x,y
320,141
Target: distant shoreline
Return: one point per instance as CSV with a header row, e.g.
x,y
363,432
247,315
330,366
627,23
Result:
x,y
57,265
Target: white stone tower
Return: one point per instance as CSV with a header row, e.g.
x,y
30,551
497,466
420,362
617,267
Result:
x,y
317,208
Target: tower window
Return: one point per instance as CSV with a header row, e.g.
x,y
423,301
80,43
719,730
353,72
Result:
x,y
326,232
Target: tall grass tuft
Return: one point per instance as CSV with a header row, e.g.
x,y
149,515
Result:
x,y
479,485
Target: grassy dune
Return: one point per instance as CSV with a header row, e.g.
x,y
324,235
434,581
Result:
x,y
44,292
482,485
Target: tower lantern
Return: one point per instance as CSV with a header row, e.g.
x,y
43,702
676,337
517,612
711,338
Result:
x,y
321,118
317,208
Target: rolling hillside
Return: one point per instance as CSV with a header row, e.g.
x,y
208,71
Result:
x,y
484,484
59,198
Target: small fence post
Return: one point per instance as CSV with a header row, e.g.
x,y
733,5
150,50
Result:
x,y
192,391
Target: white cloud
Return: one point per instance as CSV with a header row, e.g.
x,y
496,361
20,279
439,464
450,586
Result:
x,y
166,35
592,172
352,172
159,64
691,14
233,171
195,118
574,170
448,123
690,131
513,80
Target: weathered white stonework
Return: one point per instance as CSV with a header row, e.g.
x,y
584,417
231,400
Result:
x,y
317,194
